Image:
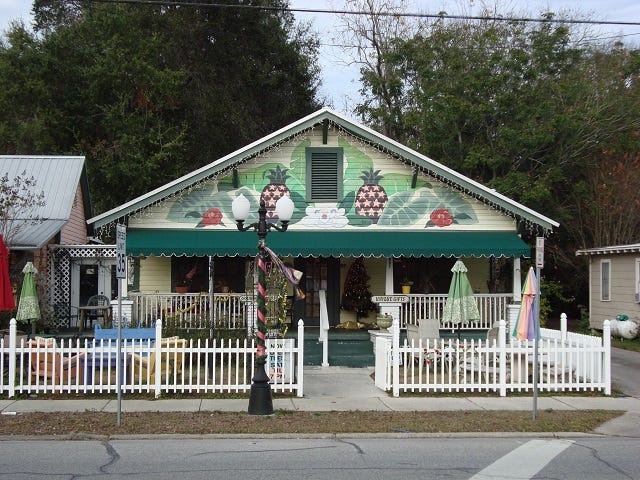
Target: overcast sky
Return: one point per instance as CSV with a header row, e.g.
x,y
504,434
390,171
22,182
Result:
x,y
340,82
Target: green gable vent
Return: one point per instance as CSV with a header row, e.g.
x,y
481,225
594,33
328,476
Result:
x,y
324,174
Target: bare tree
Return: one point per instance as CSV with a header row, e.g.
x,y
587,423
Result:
x,y
18,204
366,37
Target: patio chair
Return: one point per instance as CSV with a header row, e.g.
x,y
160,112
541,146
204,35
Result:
x,y
102,313
47,363
483,364
171,359
426,329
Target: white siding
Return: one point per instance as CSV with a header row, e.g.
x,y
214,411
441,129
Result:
x,y
623,289
155,274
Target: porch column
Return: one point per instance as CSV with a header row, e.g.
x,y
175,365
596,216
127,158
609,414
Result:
x,y
388,277
391,305
517,282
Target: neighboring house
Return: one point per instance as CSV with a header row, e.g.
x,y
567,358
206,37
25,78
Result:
x,y
356,193
614,282
55,235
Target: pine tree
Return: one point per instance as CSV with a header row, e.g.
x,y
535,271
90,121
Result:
x,y
356,296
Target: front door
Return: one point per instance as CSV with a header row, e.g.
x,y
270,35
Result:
x,y
89,278
319,274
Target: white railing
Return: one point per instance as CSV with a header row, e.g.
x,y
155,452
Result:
x,y
166,365
582,363
189,310
492,307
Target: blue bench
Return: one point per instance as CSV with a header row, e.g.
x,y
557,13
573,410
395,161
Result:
x,y
129,337
126,333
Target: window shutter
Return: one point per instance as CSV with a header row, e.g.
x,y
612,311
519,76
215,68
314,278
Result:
x,y
324,174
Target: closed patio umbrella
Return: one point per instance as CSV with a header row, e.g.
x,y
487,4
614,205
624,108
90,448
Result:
x,y
28,308
527,326
460,306
7,302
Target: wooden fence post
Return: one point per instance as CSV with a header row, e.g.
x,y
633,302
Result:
x,y
502,345
395,356
563,327
13,335
606,341
158,353
300,358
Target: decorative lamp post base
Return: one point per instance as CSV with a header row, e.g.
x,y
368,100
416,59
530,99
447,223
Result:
x,y
260,399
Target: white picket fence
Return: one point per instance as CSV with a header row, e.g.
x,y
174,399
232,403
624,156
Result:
x,y
566,362
84,366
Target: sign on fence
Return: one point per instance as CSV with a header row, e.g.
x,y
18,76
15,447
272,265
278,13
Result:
x,y
280,365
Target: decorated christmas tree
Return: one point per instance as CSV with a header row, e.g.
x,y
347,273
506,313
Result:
x,y
356,296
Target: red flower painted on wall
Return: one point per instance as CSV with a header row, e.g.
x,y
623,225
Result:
x,y
213,216
441,217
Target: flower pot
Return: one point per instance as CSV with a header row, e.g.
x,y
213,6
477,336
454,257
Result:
x,y
182,289
406,289
384,321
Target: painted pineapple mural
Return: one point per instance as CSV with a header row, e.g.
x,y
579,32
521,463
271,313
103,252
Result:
x,y
274,190
371,197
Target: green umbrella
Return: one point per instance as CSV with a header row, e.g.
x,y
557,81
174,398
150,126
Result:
x,y
461,305
28,308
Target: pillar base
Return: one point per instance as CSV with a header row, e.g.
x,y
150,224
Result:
x,y
260,399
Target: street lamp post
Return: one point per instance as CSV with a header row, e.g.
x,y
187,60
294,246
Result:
x,y
260,400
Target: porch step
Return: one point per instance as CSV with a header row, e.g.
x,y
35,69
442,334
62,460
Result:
x,y
346,348
353,348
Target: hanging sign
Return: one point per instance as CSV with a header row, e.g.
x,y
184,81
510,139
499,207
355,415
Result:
x,y
539,252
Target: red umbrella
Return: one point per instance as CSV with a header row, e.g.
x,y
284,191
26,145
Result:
x,y
7,301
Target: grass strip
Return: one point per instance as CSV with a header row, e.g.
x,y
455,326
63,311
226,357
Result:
x,y
102,423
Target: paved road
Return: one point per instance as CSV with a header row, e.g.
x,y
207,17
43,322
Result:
x,y
344,457
625,371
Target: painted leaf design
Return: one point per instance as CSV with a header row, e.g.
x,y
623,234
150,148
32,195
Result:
x,y
347,202
299,156
406,208
357,161
192,206
457,204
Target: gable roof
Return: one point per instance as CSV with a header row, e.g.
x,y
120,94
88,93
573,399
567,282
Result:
x,y
403,153
611,250
58,177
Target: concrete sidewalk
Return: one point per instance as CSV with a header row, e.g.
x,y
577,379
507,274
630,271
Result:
x,y
332,388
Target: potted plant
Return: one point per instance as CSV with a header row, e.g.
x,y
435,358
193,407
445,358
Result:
x,y
183,286
406,286
384,320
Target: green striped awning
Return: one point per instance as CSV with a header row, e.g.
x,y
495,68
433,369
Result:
x,y
327,243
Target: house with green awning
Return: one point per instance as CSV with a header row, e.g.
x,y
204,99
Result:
x,y
356,194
